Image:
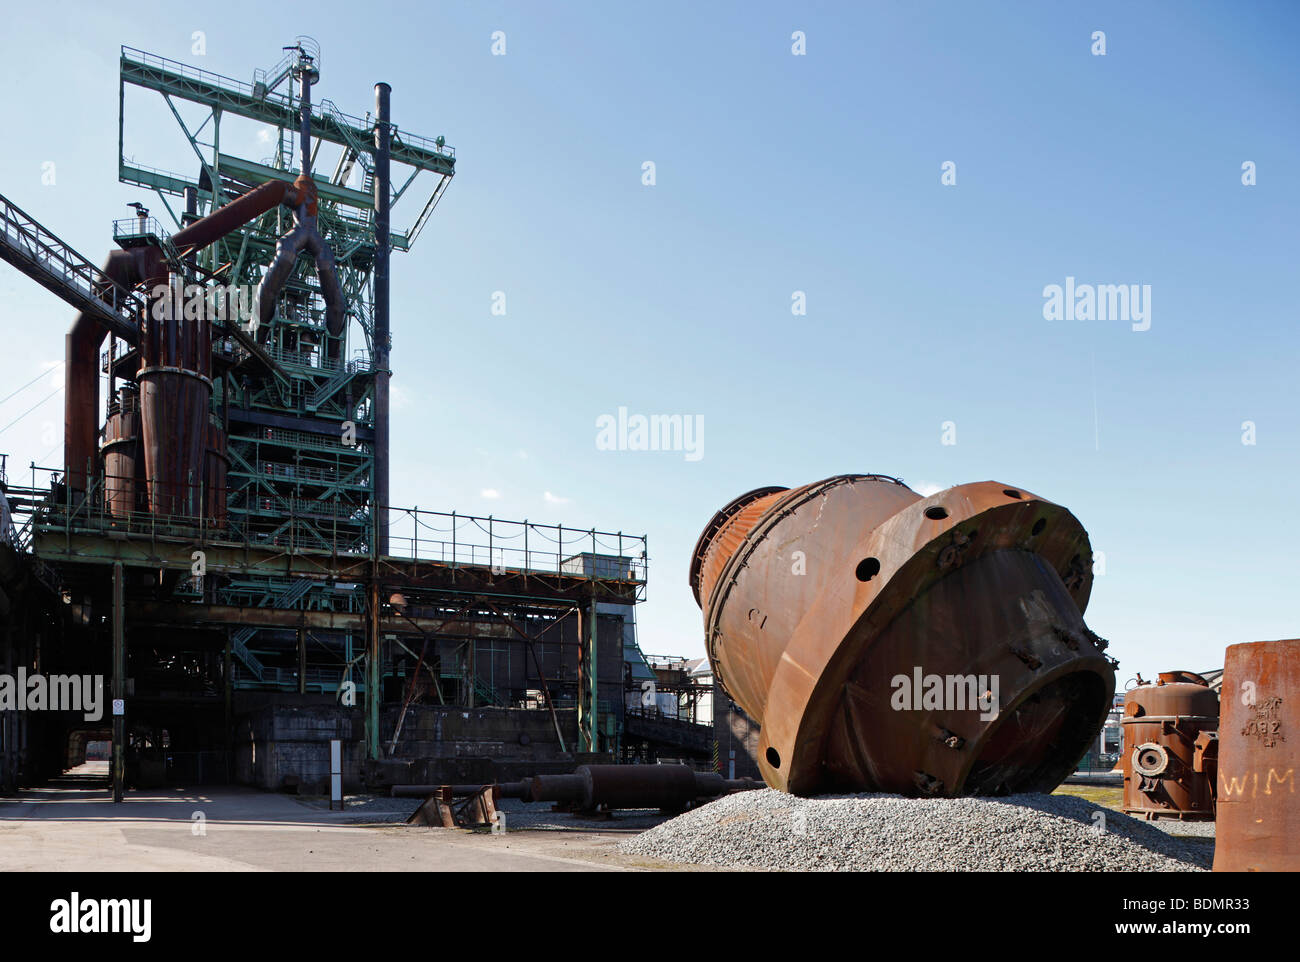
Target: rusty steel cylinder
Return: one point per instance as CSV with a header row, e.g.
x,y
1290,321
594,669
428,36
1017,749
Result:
x,y
669,787
216,465
124,477
1258,826
1170,748
175,392
891,642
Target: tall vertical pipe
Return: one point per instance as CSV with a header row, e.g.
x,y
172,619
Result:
x,y
304,120
191,195
383,137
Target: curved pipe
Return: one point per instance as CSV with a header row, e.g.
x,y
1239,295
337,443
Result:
x,y
146,264
303,236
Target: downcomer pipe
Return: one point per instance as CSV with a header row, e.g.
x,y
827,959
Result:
x,y
129,268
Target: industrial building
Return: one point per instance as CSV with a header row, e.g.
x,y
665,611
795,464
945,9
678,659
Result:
x,y
218,543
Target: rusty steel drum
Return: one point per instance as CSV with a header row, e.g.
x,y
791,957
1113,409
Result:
x,y
1258,826
175,394
1169,747
124,477
216,465
824,604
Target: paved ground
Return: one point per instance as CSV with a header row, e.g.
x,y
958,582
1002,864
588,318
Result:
x,y
75,826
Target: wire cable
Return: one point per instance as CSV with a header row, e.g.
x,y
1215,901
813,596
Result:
x,y
31,382
31,409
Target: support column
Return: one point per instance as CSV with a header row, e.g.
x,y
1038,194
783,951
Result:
x,y
593,643
119,682
8,730
228,683
373,682
383,201
302,660
588,703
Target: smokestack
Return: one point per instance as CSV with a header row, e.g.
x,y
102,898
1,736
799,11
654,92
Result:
x,y
383,136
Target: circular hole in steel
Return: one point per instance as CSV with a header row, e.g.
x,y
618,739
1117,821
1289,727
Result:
x,y
867,569
936,512
1011,492
1039,525
773,757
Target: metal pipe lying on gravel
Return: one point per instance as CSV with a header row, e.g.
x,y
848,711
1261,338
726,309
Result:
x,y
670,788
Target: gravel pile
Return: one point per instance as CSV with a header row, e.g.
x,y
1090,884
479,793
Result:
x,y
1017,833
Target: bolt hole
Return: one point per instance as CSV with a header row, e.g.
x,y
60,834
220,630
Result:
x,y
936,512
867,569
1011,492
1039,525
773,758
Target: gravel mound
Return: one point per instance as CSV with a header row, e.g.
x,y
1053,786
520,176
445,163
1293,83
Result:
x,y
1016,833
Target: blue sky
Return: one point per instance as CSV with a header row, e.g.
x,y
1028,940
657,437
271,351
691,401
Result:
x,y
778,173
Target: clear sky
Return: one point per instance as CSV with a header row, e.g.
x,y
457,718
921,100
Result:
x,y
777,173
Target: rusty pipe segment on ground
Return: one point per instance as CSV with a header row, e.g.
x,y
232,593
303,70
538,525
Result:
x,y
590,787
1258,804
890,642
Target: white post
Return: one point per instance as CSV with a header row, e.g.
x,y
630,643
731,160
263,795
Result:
x,y
336,773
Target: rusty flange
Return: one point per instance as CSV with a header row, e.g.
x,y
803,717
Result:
x,y
826,605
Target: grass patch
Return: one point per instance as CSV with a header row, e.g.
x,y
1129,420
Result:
x,y
1107,796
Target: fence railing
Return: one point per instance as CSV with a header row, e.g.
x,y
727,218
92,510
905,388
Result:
x,y
195,510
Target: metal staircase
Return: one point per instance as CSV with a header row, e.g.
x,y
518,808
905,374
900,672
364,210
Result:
x,y
239,639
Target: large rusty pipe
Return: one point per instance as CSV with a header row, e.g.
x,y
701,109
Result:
x,y
81,375
890,642
129,268
605,786
236,214
1258,823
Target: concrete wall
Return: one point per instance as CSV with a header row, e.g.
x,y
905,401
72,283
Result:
x,y
447,745
735,732
281,746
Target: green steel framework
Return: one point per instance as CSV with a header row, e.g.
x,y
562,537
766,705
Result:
x,y
295,564
287,484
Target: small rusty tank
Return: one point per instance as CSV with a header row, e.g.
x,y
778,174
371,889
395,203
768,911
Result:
x,y
124,476
216,465
1258,826
1169,748
887,641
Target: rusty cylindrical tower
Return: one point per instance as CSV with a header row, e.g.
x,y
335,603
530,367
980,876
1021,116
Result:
x,y
1258,826
124,476
890,642
175,392
1169,747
